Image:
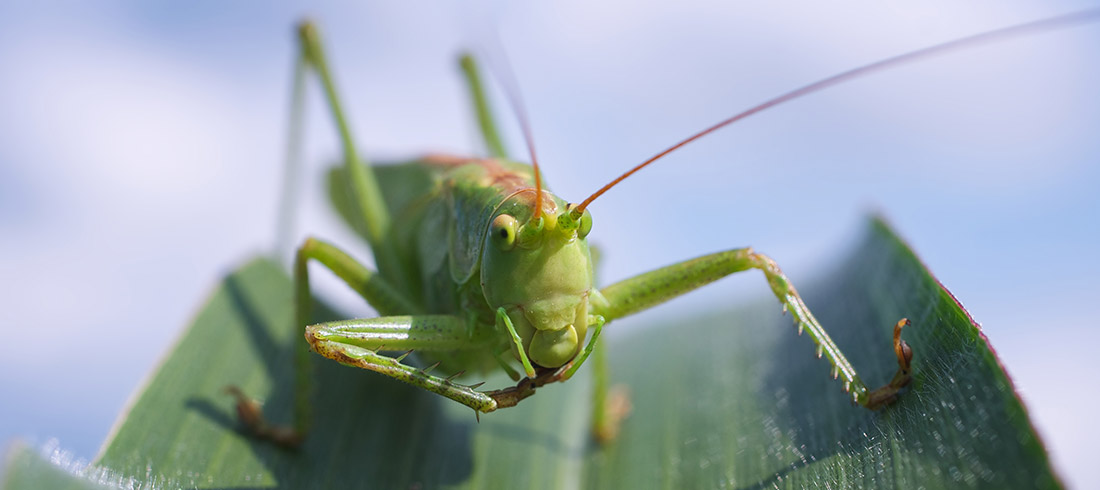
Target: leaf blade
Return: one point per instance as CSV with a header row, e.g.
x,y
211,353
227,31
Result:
x,y
739,402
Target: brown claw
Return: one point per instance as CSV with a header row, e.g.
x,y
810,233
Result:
x,y
887,394
901,349
617,409
251,414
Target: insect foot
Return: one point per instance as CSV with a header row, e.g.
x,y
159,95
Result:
x,y
509,397
615,410
887,394
251,414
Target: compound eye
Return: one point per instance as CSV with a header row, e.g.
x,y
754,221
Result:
x,y
586,224
570,221
503,232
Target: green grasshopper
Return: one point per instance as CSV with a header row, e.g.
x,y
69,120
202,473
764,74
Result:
x,y
481,268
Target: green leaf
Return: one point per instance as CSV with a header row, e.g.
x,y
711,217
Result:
x,y
26,469
721,400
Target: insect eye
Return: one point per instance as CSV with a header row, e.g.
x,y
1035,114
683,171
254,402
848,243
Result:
x,y
586,224
572,220
503,231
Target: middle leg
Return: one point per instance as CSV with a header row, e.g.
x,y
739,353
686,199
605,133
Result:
x,y
370,285
646,290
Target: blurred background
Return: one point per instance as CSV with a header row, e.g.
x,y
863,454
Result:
x,y
141,150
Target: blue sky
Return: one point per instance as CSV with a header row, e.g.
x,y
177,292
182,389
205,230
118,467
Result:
x,y
140,149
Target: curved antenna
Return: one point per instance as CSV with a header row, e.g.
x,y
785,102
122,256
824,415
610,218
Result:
x,y
528,137
507,79
1001,34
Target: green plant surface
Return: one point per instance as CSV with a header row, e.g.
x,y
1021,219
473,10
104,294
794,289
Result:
x,y
721,399
25,468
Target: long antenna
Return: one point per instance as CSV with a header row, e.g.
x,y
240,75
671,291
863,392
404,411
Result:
x,y
507,80
1033,27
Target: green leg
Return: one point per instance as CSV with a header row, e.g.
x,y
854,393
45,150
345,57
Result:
x,y
361,179
376,291
356,343
292,165
610,404
481,106
597,323
646,290
505,324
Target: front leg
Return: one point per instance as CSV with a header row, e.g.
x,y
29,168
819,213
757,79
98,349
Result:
x,y
357,343
649,289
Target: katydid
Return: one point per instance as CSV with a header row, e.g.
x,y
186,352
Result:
x,y
480,267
